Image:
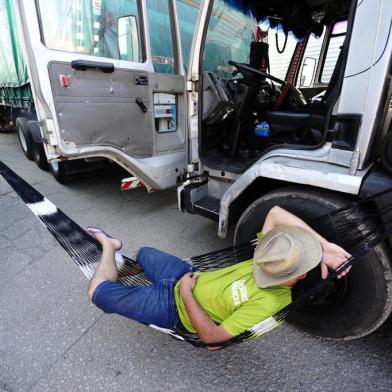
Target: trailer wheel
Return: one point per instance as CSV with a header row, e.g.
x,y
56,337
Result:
x,y
25,137
60,172
40,156
356,305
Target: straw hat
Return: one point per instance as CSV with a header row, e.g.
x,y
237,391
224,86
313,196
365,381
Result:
x,y
285,253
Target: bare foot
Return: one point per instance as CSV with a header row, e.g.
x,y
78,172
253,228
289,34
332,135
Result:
x,y
103,238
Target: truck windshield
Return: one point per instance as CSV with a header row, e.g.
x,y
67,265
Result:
x,y
229,36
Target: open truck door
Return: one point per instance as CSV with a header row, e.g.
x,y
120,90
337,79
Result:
x,y
106,85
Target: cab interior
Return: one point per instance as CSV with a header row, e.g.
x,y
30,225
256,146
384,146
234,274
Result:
x,y
251,104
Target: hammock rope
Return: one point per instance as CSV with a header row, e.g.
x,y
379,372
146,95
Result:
x,y
86,251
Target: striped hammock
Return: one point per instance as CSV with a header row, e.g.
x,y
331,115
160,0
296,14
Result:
x,y
86,251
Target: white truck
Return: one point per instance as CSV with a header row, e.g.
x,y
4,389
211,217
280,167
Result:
x,y
281,103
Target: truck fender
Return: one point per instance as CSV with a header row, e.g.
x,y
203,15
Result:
x,y
317,172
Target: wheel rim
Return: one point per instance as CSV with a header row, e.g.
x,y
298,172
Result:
x,y
22,139
54,166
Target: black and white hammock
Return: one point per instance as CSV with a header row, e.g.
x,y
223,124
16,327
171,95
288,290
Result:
x,y
86,252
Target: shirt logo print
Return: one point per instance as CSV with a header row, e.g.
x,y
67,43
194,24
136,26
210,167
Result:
x,y
238,292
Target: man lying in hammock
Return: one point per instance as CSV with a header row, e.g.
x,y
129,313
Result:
x,y
220,304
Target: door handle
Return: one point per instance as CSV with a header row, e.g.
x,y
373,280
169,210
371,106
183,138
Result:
x,y
141,80
141,105
83,65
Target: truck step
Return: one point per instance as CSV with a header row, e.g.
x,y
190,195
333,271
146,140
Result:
x,y
208,207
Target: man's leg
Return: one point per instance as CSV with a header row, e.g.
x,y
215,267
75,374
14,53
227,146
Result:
x,y
146,304
149,305
107,269
159,265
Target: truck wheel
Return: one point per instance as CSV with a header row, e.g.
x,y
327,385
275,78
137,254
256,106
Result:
x,y
25,137
386,153
60,172
355,305
40,156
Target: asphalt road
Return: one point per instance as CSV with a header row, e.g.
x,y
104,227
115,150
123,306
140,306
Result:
x,y
52,339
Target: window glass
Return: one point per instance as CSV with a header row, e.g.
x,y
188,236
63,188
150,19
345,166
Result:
x,y
160,35
279,62
334,46
310,61
92,27
128,38
340,27
188,11
228,38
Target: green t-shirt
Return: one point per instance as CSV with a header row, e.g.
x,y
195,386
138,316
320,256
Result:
x,y
230,297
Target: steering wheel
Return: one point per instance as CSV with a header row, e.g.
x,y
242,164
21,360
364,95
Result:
x,y
247,69
243,68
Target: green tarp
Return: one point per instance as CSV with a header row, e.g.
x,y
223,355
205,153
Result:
x,y
14,81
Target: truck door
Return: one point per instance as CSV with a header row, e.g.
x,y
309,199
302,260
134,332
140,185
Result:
x,y
110,78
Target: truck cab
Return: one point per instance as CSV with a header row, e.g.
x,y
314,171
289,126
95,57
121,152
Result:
x,y
289,104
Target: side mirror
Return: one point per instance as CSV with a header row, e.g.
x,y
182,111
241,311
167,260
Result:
x,y
307,73
128,38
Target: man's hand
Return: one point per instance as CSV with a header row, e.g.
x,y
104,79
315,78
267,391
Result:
x,y
208,331
333,256
188,282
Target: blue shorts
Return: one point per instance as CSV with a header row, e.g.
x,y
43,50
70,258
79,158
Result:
x,y
154,304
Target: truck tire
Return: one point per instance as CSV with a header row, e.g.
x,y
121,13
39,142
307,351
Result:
x,y
40,156
360,302
386,153
25,137
60,172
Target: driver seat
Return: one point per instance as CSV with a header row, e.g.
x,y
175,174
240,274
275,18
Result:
x,y
308,122
333,88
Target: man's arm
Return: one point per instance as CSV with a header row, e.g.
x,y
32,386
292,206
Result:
x,y
333,255
207,330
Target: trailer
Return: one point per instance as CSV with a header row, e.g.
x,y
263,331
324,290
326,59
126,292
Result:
x,y
15,91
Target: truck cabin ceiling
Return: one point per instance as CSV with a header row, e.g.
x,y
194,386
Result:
x,y
292,9
284,93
